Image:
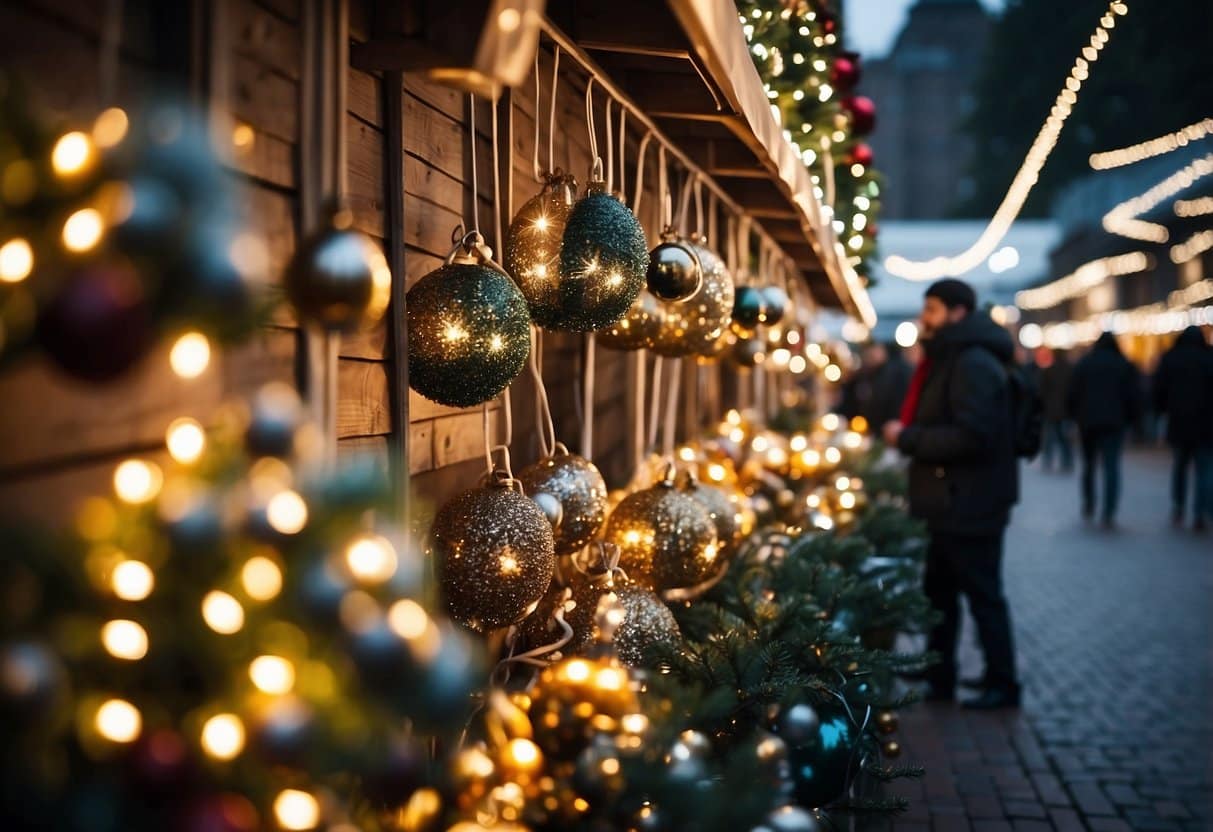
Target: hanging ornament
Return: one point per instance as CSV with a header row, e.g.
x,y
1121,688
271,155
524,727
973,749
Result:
x,y
822,764
469,329
861,154
580,491
603,259
575,698
891,749
886,722
846,72
639,327
862,112
496,555
666,538
776,304
532,250
749,352
338,278
726,515
749,309
696,325
674,272
98,325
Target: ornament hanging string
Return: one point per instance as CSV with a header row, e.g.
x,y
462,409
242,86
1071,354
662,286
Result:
x,y
607,563
543,410
644,146
640,437
475,178
587,380
539,171
684,202
623,149
690,593
654,399
671,406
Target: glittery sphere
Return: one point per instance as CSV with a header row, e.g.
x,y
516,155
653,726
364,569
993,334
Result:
x,y
338,279
776,304
603,260
666,538
532,253
798,725
578,485
639,326
749,309
674,272
726,515
550,506
696,325
469,334
496,556
647,621
822,766
646,618
576,698
862,112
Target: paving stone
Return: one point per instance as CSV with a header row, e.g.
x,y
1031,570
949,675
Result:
x,y
1066,820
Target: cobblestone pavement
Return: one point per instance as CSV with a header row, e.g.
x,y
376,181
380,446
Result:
x,y
1115,642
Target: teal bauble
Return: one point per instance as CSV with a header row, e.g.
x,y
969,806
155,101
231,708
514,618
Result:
x,y
469,333
603,262
749,309
776,304
823,762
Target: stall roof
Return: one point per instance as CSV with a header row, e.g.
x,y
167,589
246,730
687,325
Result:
x,y
687,65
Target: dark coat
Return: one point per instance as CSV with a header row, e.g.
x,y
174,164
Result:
x,y
964,476
1055,387
1105,393
879,391
1183,389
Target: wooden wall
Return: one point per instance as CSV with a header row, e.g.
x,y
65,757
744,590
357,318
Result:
x,y
62,439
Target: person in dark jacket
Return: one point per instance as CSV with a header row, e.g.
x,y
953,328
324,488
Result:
x,y
957,429
1055,372
880,385
1183,391
1105,400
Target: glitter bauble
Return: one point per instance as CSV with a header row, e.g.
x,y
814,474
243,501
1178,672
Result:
x,y
646,618
603,260
749,309
496,555
576,698
647,621
823,764
726,515
578,485
749,352
697,325
674,272
639,326
666,538
469,333
338,278
776,304
532,251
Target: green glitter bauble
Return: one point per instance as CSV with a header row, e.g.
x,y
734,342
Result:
x,y
603,261
638,328
532,253
578,485
666,538
695,325
469,334
496,556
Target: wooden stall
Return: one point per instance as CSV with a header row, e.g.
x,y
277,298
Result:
x,y
372,101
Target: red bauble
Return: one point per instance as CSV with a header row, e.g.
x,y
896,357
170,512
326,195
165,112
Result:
x,y
98,325
862,112
828,22
861,154
220,813
845,72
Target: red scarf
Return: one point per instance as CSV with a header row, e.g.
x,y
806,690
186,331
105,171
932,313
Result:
x,y
909,406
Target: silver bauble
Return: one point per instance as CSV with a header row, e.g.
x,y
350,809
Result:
x,y
579,487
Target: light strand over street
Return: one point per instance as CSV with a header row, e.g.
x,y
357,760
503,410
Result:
x,y
1123,219
1152,147
1081,280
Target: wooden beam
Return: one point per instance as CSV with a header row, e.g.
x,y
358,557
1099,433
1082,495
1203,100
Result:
x,y
394,221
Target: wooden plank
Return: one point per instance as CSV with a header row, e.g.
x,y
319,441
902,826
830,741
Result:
x,y
264,99
363,448
365,99
364,175
362,399
268,159
421,446
271,214
260,34
459,438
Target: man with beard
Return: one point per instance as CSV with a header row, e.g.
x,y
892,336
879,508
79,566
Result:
x,y
958,429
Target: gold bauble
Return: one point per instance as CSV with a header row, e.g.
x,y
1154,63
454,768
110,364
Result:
x,y
532,248
577,697
496,555
695,326
646,618
639,326
578,485
666,538
726,514
886,722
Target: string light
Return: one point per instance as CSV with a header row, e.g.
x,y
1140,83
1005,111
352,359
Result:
x,y
16,260
1017,194
296,810
261,578
1081,280
1109,159
371,558
110,127
71,154
1198,243
83,229
906,334
190,355
1123,220
286,512
185,440
272,674
1152,319
1193,207
132,580
124,639
222,613
223,736
118,721
137,481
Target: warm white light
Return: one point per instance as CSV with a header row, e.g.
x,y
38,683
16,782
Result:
x,y
1031,336
906,334
16,260
509,20
1198,243
1005,259
132,580
71,153
222,613
1082,280
1197,207
261,578
83,230
286,512
832,373
190,355
223,736
797,364
408,619
296,810
136,481
272,674
185,440
1123,219
110,127
119,721
371,558
124,639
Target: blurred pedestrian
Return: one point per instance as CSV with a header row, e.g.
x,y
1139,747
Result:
x,y
1104,400
1055,373
956,426
1183,392
881,384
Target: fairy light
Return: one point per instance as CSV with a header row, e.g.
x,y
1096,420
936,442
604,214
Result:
x,y
190,355
124,639
261,578
71,154
1173,315
118,721
132,580
1109,159
185,440
272,674
371,558
1026,177
1193,207
16,260
286,512
1082,280
1198,243
223,736
906,334
296,810
408,619
110,127
1123,219
222,613
83,229
137,481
